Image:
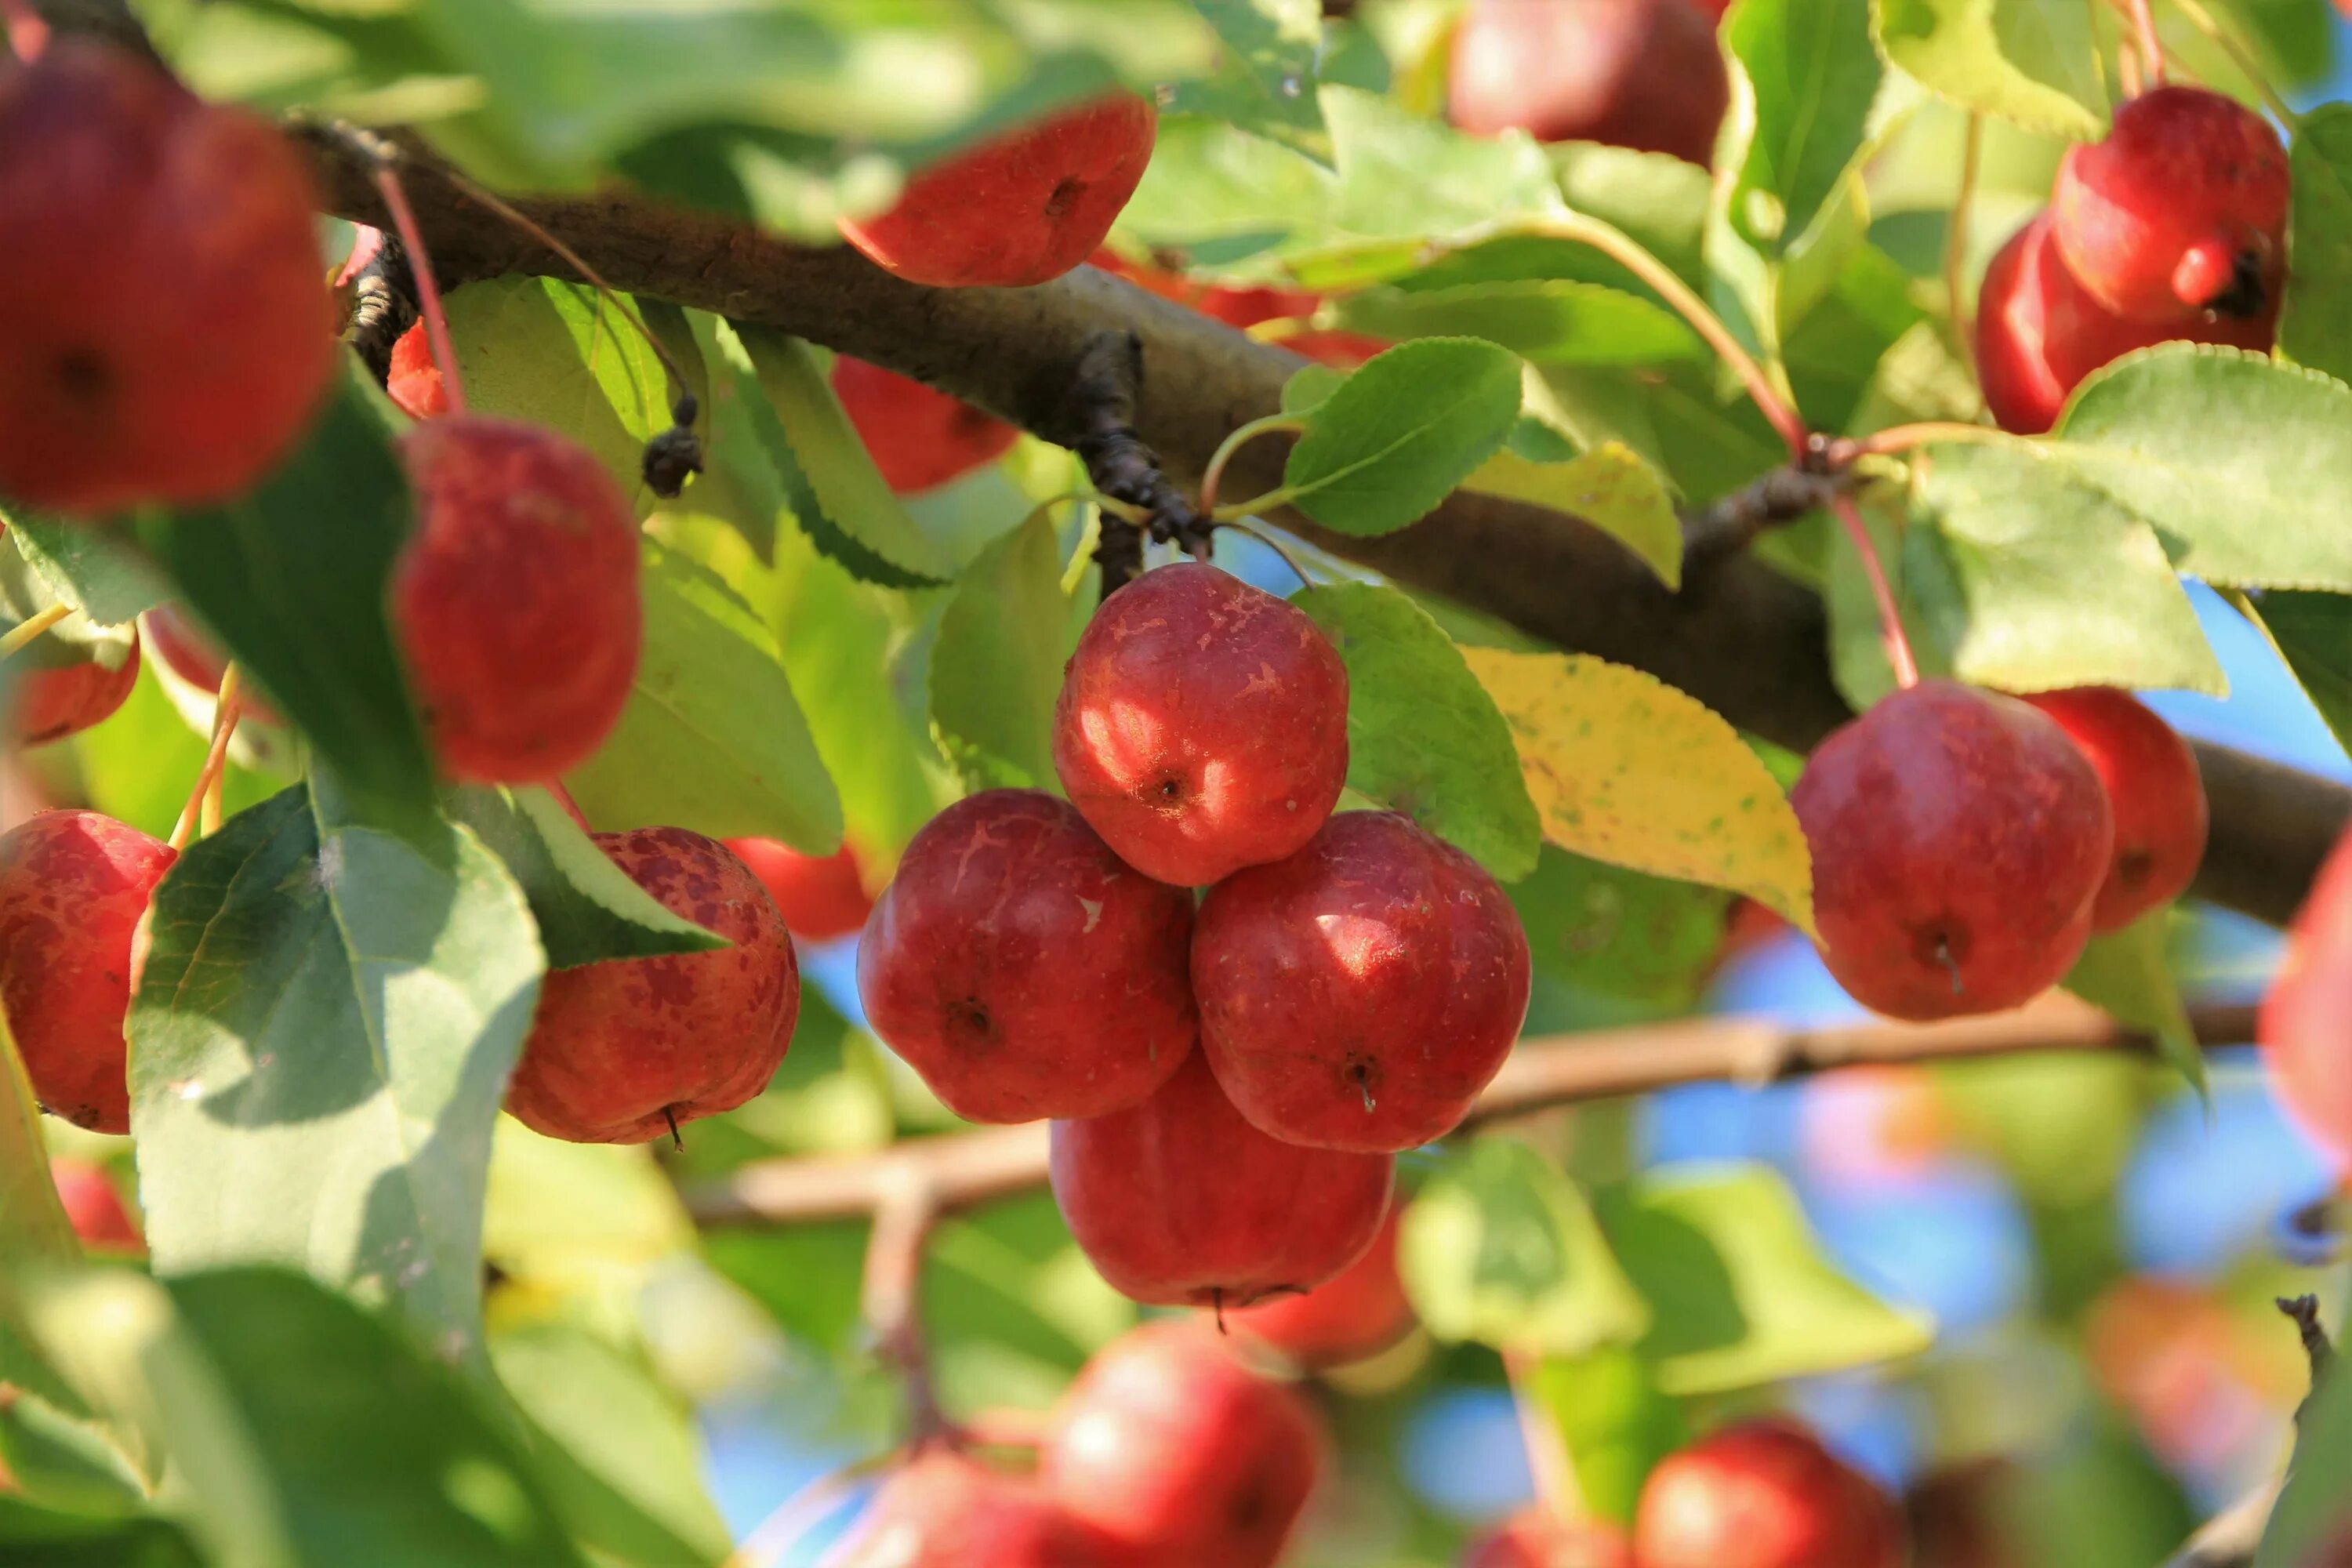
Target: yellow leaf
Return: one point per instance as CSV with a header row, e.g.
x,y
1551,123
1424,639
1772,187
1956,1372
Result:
x,y
1608,487
1626,769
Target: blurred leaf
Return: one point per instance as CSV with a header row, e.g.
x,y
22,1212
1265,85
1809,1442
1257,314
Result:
x,y
2311,1511
95,569
2315,632
996,669
1499,1246
569,1214
33,1226
806,1275
1616,1421
294,579
1553,320
1012,1307
1610,487
712,738
556,355
2024,60
2129,973
1266,78
1621,933
2316,328
1739,1290
618,1460
1398,435
1706,440
31,1535
586,909
1808,75
2234,458
64,1461
1627,770
319,1045
1423,738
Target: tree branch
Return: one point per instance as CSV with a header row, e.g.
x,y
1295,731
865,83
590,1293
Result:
x,y
964,1169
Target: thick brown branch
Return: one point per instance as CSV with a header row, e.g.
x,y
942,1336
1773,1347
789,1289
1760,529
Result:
x,y
962,1169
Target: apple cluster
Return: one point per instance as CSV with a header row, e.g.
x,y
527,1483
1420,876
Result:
x,y
2172,228
1229,1080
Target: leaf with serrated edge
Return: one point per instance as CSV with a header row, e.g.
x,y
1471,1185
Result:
x,y
1397,436
1423,738
1610,487
1626,769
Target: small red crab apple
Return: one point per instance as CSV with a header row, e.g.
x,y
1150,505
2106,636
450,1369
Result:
x,y
1644,74
1958,838
414,383
1764,1494
1021,208
516,598
165,328
2154,790
945,1510
1180,1203
1023,969
821,897
2306,1042
1172,1447
1532,1540
1359,1315
52,702
918,438
1360,993
74,886
632,1049
1202,725
94,1206
2180,211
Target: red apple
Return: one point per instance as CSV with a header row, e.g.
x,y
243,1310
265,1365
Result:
x,y
1359,1315
920,438
945,1510
2154,790
1764,1494
821,897
1644,74
2305,1028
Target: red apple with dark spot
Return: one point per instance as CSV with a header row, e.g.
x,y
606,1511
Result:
x,y
51,701
415,382
2153,789
1764,1494
1644,74
165,328
1172,1447
2305,1038
2179,212
633,1048
74,885
1180,1203
1359,1315
1021,208
1023,969
918,438
515,599
1359,994
1958,839
945,1510
1202,725
1531,1540
2038,333
821,897
94,1206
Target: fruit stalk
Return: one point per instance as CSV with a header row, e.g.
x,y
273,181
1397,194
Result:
x,y
32,626
224,716
428,292
1890,617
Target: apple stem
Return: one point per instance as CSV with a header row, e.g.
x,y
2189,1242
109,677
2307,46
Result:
x,y
26,631
1955,237
2151,44
225,712
2239,56
27,34
1890,619
1558,1491
571,807
428,294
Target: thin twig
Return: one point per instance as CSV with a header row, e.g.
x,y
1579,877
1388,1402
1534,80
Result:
x,y
225,712
2151,44
428,294
32,626
891,1297
965,1169
1730,523
1213,476
1882,592
1955,233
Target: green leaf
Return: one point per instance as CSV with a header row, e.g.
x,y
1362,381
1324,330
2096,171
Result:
x,y
2030,578
2315,632
1266,78
2315,329
1499,1247
1740,1292
294,579
2235,459
996,667
2024,61
33,1227
300,1429
1620,932
586,909
32,1534
712,738
93,567
1550,320
2310,1511
1616,1421
555,355
827,478
618,1458
1401,433
318,1045
1609,487
1805,77
2129,973
1423,738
